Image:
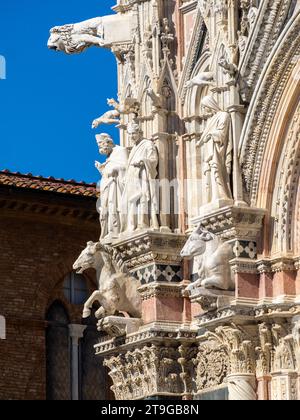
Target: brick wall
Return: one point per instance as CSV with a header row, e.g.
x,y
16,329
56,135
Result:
x,y
37,252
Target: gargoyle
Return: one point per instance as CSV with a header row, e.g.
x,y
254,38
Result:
x,y
75,38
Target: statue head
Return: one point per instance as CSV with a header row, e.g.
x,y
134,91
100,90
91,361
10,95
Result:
x,y
210,103
196,244
63,38
87,258
105,144
135,132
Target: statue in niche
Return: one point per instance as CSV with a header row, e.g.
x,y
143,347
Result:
x,y
140,197
111,186
211,258
218,152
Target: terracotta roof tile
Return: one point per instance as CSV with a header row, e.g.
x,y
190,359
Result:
x,y
18,180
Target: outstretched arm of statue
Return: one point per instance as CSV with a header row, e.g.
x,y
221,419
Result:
x,y
99,166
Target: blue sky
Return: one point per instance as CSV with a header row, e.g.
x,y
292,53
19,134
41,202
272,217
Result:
x,y
48,101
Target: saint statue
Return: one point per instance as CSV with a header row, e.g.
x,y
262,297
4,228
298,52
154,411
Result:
x,y
111,185
218,151
139,200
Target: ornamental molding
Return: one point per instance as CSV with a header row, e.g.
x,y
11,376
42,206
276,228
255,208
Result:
x,y
196,45
145,372
150,247
211,364
263,107
271,17
160,290
233,222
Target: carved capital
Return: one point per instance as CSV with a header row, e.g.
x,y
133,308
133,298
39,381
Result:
x,y
240,346
148,371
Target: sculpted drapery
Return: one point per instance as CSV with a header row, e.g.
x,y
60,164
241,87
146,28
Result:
x,y
218,151
139,200
111,185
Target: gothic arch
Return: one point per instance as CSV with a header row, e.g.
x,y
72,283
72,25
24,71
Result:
x,y
278,82
193,98
278,186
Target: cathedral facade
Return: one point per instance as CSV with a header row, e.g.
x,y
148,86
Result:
x,y
198,259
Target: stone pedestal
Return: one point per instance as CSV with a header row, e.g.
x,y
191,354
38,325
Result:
x,y
211,299
156,361
153,258
151,356
240,227
284,386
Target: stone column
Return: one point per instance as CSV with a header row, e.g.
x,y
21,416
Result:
x,y
240,343
263,387
76,332
2,328
242,387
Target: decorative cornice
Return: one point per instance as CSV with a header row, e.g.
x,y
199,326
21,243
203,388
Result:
x,y
282,264
150,247
233,222
243,265
151,290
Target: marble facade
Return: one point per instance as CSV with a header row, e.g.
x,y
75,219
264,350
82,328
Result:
x,y
202,268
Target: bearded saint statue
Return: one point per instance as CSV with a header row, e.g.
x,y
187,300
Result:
x,y
111,185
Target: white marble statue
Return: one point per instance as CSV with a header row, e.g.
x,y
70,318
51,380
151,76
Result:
x,y
252,14
111,185
102,31
140,197
218,152
211,260
201,80
117,292
75,38
109,117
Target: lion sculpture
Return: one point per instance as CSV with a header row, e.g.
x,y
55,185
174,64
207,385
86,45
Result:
x,y
77,37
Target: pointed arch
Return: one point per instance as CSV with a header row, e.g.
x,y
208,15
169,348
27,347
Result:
x,y
280,75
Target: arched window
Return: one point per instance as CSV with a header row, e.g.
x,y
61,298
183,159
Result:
x,y
58,383
75,289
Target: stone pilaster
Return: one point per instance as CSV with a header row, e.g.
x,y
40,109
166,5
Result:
x,y
76,333
153,258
